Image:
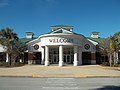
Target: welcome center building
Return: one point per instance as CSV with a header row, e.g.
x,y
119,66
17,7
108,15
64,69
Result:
x,y
61,46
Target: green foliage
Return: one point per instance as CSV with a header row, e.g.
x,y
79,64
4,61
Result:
x,y
117,40
9,40
110,46
105,63
3,63
108,64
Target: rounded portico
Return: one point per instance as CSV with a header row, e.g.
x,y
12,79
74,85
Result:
x,y
61,46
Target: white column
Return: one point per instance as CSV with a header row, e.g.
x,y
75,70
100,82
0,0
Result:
x,y
6,57
42,61
60,55
75,56
46,55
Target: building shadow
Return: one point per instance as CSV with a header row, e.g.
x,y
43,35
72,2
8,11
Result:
x,y
109,88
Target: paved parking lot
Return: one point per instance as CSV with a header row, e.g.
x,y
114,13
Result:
x,y
65,71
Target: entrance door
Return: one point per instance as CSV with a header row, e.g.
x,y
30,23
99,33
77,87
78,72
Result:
x,y
55,58
86,58
67,59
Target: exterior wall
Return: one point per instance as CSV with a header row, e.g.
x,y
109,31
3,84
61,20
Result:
x,y
30,58
80,44
89,47
3,55
93,58
1,48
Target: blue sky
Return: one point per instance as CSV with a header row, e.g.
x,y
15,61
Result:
x,y
38,15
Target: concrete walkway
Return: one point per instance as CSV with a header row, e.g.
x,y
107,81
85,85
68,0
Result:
x,y
65,71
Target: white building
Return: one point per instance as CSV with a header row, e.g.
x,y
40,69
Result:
x,y
61,46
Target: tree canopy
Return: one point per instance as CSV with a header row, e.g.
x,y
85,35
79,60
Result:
x,y
9,40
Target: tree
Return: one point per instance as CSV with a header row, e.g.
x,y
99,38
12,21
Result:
x,y
105,44
9,40
111,45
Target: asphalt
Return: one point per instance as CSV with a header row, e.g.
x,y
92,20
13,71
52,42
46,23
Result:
x,y
40,71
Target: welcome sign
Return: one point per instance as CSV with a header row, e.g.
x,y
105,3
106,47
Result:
x,y
61,40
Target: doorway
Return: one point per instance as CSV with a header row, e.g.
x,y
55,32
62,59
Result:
x,y
67,59
86,58
68,55
54,55
55,58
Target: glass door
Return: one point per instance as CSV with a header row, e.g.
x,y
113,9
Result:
x,y
67,59
55,58
53,55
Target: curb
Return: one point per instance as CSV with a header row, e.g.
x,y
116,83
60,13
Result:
x,y
81,76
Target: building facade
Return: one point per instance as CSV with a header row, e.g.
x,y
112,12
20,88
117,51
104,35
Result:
x,y
61,46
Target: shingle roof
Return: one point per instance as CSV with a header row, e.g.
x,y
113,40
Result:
x,y
26,40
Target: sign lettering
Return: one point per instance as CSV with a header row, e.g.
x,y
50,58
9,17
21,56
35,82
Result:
x,y
61,40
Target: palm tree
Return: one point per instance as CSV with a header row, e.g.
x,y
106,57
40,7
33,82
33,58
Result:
x,y
9,40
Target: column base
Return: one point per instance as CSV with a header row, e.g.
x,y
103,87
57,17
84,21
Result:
x,y
46,63
75,63
60,63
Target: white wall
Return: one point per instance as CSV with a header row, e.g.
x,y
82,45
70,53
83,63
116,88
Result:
x,y
2,49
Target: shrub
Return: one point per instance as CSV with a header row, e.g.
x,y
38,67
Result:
x,y
3,63
106,63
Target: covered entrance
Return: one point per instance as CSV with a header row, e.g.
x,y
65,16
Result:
x,y
68,55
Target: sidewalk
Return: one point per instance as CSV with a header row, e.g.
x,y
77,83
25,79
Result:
x,y
65,71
